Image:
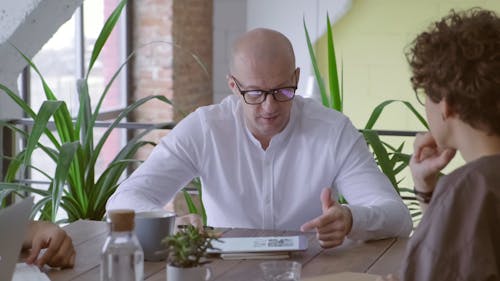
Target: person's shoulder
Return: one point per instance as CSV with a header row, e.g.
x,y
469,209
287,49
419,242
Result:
x,y
475,183
483,171
213,114
314,112
225,110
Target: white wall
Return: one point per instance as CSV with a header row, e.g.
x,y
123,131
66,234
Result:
x,y
26,24
233,17
229,21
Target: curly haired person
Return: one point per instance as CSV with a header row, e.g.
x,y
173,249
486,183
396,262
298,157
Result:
x,y
456,75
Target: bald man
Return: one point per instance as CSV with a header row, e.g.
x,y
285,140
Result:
x,y
270,159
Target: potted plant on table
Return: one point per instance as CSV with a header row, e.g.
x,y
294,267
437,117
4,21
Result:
x,y
187,254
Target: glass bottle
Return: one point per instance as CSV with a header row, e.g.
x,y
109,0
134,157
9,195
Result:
x,y
122,258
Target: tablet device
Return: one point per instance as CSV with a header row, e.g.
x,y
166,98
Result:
x,y
260,244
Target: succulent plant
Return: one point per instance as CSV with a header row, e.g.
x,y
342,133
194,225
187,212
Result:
x,y
188,247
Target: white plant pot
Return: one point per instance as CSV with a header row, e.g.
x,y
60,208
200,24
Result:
x,y
200,273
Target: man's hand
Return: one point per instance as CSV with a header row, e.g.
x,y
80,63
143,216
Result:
x,y
59,247
333,225
427,161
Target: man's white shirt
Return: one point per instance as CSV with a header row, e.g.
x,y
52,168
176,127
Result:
x,y
277,188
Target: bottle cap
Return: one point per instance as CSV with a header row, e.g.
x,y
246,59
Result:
x,y
122,220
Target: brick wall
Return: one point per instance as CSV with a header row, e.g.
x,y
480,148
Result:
x,y
159,68
192,31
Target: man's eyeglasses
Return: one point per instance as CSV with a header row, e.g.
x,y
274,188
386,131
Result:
x,y
421,95
258,96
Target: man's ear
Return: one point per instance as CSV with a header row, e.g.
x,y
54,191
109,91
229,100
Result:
x,y
231,84
297,75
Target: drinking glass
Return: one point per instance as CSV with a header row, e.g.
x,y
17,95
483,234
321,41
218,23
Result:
x,y
281,270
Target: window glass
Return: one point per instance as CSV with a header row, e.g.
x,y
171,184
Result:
x,y
57,61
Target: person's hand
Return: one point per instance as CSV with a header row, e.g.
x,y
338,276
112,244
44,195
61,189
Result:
x,y
389,277
192,219
427,161
59,246
333,225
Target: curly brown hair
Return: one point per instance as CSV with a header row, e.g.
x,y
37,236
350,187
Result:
x,y
458,60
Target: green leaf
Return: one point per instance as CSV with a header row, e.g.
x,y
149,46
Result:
x,y
72,208
83,122
83,171
317,73
189,201
197,183
24,106
22,132
120,117
21,188
382,156
62,118
108,181
378,110
15,163
67,154
105,32
335,94
14,166
47,109
43,207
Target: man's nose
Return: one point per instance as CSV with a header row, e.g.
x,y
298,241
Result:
x,y
269,101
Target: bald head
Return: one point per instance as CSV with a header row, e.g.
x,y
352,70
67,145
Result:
x,y
260,48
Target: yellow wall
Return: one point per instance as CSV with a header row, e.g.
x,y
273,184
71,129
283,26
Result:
x,y
370,40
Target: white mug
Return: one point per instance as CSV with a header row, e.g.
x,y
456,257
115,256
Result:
x,y
199,273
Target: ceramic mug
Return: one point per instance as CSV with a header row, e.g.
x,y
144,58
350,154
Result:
x,y
199,273
151,228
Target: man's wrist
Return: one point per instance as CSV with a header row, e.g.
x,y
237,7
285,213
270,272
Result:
x,y
348,215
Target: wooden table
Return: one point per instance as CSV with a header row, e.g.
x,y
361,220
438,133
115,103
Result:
x,y
376,257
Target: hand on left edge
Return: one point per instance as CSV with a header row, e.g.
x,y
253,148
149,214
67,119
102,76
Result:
x,y
59,246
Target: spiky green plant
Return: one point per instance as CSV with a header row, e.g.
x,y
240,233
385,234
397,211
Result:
x,y
74,186
391,160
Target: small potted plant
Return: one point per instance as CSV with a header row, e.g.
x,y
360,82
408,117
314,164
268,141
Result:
x,y
187,253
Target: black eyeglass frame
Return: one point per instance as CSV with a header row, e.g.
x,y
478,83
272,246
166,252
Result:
x,y
272,92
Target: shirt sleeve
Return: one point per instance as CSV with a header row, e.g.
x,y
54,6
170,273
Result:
x,y
170,166
377,209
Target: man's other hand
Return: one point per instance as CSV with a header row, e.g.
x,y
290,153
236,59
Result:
x,y
333,225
